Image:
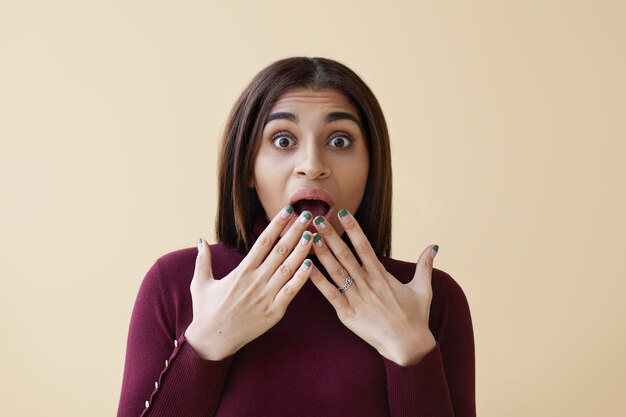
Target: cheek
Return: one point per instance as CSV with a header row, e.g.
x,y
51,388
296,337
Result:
x,y
354,179
269,180
269,170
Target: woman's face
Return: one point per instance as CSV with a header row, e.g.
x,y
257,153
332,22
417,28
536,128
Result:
x,y
312,147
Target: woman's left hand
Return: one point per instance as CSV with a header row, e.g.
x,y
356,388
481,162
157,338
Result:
x,y
390,316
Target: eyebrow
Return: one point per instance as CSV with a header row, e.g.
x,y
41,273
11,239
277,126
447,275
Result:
x,y
341,115
330,117
282,115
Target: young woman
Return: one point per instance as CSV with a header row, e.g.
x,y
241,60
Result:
x,y
299,310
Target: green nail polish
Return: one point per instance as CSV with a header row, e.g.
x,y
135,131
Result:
x,y
307,236
317,238
307,215
289,209
343,213
307,263
319,219
436,248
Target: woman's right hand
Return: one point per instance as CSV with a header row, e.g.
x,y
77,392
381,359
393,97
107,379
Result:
x,y
230,312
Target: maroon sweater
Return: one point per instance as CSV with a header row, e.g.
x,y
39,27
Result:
x,y
309,364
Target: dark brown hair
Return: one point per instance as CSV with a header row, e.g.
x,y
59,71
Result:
x,y
239,206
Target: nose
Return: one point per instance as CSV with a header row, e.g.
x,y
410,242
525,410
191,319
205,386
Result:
x,y
312,163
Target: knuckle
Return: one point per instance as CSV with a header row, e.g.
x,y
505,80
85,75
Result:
x,y
280,250
340,273
285,271
300,227
429,263
288,291
322,250
325,232
269,313
345,254
362,247
265,241
350,225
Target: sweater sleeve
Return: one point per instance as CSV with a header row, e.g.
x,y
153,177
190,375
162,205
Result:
x,y
442,384
163,375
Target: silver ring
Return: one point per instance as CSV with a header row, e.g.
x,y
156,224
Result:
x,y
346,285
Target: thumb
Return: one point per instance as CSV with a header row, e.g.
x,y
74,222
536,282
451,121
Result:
x,y
424,269
203,269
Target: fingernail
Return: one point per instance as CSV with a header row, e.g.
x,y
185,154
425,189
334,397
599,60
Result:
x,y
305,217
199,243
434,250
305,238
343,215
319,220
286,212
305,265
317,240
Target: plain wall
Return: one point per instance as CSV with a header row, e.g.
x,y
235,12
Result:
x,y
507,124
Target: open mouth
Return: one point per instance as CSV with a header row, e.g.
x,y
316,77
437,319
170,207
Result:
x,y
315,200
315,207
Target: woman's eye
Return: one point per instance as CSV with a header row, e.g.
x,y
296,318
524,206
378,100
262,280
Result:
x,y
341,142
281,141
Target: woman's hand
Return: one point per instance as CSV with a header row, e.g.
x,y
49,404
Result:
x,y
229,313
390,316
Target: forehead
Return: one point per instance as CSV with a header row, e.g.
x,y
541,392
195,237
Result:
x,y
306,97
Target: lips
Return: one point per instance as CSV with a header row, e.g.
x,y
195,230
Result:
x,y
316,200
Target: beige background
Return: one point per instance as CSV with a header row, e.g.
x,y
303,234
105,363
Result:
x,y
508,136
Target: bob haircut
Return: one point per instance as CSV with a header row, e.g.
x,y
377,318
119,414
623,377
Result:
x,y
239,205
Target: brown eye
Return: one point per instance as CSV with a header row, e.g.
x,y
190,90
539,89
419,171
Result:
x,y
341,142
281,141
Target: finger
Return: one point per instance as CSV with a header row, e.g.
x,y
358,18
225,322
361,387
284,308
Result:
x,y
340,251
292,220
288,268
360,242
338,273
422,279
331,293
203,269
265,242
289,290
285,245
